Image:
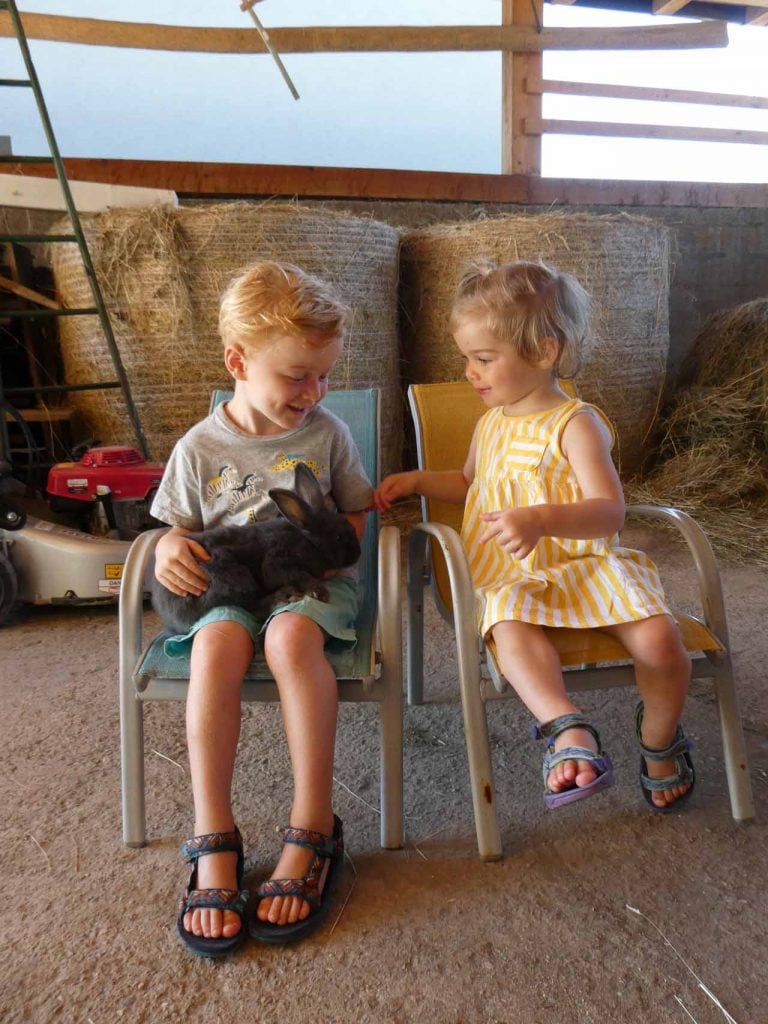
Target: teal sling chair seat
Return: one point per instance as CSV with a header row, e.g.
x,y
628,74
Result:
x,y
370,671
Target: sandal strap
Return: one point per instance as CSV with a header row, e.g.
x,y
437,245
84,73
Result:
x,y
552,759
306,888
321,844
676,749
552,729
683,776
212,842
214,899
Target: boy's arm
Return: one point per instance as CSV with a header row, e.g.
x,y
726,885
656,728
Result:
x,y
177,563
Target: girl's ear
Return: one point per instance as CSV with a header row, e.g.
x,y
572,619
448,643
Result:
x,y
234,360
550,353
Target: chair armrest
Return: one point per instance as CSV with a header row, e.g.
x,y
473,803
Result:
x,y
390,599
707,572
131,604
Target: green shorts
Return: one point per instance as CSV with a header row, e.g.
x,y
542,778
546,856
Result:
x,y
336,616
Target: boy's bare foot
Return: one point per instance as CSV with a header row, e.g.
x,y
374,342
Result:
x,y
576,773
215,871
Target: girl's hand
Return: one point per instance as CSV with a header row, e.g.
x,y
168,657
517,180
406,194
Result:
x,y
392,487
517,530
177,565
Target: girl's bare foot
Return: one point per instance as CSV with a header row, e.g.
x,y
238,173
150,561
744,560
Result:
x,y
575,773
214,871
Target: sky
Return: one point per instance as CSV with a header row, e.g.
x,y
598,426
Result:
x,y
438,112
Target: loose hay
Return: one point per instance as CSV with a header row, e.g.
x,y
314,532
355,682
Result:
x,y
162,272
622,261
712,441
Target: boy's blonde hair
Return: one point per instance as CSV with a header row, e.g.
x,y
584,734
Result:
x,y
271,298
523,302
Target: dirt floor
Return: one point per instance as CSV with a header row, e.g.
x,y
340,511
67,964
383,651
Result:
x,y
428,932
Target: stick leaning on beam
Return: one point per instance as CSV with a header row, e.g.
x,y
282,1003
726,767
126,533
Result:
x,y
395,39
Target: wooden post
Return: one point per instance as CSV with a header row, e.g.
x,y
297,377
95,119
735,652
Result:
x,y
520,153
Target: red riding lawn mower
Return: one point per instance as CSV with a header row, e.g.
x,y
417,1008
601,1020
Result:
x,y
73,551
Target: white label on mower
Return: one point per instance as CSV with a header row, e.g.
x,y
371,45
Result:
x,y
77,484
109,586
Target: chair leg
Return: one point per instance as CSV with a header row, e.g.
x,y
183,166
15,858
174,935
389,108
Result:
x,y
415,619
391,800
132,765
734,747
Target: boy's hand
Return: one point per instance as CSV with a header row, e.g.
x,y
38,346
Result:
x,y
517,530
392,487
177,565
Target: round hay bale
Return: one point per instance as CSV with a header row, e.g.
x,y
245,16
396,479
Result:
x,y
622,261
162,272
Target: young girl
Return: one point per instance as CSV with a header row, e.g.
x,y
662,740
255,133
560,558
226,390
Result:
x,y
282,332
543,504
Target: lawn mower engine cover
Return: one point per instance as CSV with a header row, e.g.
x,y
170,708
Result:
x,y
123,471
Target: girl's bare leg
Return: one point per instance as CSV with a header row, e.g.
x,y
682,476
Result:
x,y
221,652
532,666
663,674
293,647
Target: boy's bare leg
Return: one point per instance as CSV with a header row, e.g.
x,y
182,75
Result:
x,y
663,674
221,652
293,647
532,666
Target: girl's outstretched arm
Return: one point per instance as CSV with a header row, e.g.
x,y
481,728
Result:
x,y
586,444
448,485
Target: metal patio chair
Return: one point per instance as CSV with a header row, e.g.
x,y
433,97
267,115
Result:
x,y
371,671
444,416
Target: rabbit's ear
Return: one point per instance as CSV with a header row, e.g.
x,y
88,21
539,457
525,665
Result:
x,y
307,486
294,508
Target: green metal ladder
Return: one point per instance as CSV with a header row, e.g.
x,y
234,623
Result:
x,y
99,307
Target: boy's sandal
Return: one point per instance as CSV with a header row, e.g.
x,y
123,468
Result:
x,y
315,887
677,751
235,900
599,761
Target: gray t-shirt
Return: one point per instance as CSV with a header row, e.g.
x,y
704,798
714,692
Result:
x,y
218,474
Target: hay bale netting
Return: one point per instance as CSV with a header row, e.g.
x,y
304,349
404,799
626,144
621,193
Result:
x,y
622,261
162,272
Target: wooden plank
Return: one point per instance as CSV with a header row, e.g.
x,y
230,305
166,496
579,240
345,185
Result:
x,y
758,16
44,194
27,293
57,414
368,39
641,92
668,6
520,153
199,180
645,131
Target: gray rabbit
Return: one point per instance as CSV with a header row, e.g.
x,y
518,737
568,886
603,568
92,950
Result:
x,y
260,565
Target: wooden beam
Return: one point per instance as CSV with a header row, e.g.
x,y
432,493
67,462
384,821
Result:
x,y
758,16
645,131
668,6
641,92
6,284
368,39
520,152
195,180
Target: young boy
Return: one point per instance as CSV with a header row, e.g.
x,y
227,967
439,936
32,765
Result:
x,y
283,331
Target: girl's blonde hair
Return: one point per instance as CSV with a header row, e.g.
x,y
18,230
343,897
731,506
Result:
x,y
271,298
524,302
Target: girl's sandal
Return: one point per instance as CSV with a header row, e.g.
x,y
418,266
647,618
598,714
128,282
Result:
x,y
599,761
235,900
315,887
677,751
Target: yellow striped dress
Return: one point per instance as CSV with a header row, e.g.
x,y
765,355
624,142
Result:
x,y
562,582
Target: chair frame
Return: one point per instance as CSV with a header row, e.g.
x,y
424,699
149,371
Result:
x,y
382,685
477,688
